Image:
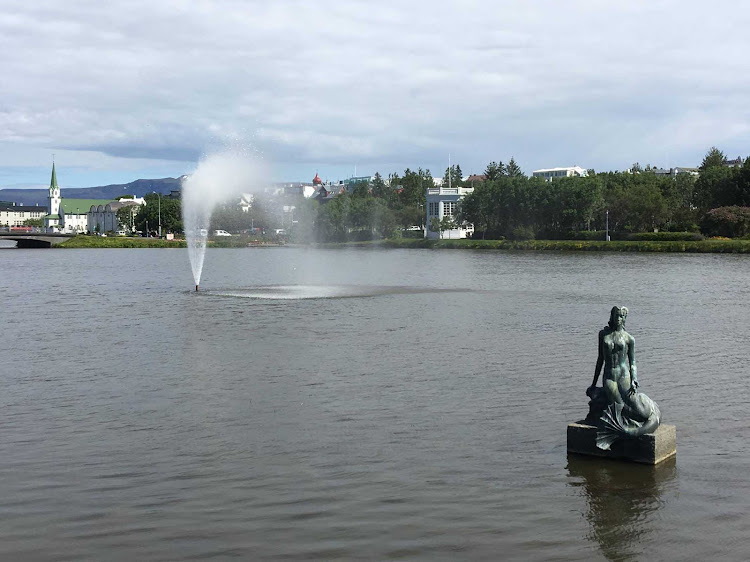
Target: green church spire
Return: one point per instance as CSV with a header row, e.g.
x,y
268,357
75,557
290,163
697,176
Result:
x,y
53,181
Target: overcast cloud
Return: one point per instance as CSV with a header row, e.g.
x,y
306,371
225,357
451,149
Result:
x,y
142,89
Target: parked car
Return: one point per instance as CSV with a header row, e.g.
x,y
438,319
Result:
x,y
221,233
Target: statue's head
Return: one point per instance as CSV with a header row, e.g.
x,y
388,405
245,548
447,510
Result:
x,y
617,317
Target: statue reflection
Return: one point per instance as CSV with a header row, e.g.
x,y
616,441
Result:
x,y
622,498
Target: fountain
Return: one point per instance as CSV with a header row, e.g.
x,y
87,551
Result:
x,y
217,178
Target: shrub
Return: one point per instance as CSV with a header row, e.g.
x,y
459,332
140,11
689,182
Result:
x,y
522,233
665,236
588,235
732,222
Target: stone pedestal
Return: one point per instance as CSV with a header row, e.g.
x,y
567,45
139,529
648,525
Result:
x,y
651,448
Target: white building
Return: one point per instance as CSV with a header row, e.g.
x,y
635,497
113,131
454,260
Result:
x,y
17,215
443,202
551,173
246,202
103,218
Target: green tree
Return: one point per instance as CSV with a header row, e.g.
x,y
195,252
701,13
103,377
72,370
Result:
x,y
513,170
436,225
446,224
379,186
126,216
171,214
453,173
716,187
713,158
413,188
361,189
494,170
38,223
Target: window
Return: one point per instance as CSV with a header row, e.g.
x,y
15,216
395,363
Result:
x,y
434,209
449,208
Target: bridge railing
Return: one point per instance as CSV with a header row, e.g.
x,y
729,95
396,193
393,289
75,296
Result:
x,y
22,229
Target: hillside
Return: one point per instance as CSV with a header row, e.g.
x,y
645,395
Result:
x,y
139,188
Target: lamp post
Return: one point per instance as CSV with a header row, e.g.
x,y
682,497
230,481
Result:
x,y
607,225
159,196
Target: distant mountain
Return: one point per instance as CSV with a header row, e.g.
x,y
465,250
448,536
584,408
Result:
x,y
139,188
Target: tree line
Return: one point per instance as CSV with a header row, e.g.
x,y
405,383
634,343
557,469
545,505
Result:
x,y
504,204
637,200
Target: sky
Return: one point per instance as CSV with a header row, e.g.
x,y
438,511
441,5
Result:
x,y
340,88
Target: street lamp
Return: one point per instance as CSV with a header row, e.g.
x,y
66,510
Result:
x,y
159,196
607,225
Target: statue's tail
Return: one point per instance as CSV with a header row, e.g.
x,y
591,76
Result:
x,y
612,427
615,426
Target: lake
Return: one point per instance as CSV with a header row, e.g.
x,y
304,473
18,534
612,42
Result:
x,y
362,404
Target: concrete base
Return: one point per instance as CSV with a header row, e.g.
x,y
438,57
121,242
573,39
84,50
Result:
x,y
651,448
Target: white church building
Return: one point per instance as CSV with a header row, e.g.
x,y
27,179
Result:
x,y
69,216
73,216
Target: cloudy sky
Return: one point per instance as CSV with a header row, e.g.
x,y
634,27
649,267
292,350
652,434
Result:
x,y
143,89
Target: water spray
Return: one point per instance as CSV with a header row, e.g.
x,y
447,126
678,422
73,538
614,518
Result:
x,y
218,177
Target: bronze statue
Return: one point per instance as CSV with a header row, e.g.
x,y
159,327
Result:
x,y
617,408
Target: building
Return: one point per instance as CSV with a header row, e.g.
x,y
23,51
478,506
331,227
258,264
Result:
x,y
443,202
103,218
672,172
67,215
351,183
551,173
475,179
17,215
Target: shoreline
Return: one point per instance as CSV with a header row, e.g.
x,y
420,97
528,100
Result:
x,y
663,246
697,246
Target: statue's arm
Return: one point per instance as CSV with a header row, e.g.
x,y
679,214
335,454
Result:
x,y
633,369
600,358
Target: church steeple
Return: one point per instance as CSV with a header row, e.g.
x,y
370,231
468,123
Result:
x,y
54,193
53,181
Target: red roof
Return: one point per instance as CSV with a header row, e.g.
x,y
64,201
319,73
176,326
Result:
x,y
317,180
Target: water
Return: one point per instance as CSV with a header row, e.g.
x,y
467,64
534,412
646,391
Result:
x,y
422,416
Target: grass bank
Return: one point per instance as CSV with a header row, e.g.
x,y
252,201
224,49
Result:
x,y
119,242
82,241
697,246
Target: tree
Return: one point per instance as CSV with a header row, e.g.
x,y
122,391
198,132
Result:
x,y
446,223
413,187
39,223
713,158
126,216
435,226
452,176
715,187
494,170
361,189
513,170
731,222
168,208
378,186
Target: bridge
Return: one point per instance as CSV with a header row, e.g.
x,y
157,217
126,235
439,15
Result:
x,y
35,239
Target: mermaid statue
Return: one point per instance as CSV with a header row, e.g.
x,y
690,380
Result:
x,y
617,408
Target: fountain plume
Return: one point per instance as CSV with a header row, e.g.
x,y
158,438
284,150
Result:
x,y
218,177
